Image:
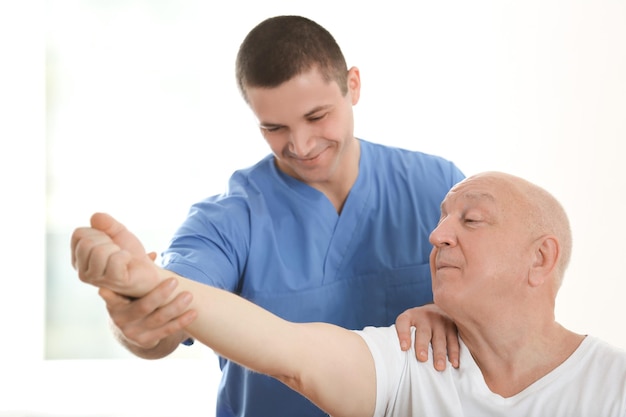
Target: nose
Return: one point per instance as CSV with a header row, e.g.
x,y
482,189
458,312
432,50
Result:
x,y
300,143
443,234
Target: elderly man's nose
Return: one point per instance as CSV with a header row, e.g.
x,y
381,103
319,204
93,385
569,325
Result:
x,y
442,235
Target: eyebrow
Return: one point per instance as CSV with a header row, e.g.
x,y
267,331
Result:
x,y
317,109
306,115
264,125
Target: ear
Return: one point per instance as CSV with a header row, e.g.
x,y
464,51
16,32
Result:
x,y
545,257
354,84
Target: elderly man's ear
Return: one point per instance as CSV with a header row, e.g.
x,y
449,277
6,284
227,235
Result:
x,y
545,259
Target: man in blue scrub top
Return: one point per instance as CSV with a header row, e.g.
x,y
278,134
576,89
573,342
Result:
x,y
328,227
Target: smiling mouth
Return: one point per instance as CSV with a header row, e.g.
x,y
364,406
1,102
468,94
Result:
x,y
309,160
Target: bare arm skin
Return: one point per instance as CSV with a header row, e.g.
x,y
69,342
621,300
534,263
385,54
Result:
x,y
329,365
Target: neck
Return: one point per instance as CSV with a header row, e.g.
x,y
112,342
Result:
x,y
342,180
513,356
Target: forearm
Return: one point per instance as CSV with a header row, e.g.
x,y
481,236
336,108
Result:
x,y
238,329
328,364
233,327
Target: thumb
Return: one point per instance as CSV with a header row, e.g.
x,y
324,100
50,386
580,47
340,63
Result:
x,y
403,328
118,233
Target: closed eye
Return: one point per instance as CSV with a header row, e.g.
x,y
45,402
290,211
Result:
x,y
271,128
317,117
473,217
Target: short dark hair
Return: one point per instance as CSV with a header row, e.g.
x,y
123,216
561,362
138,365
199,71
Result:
x,y
282,47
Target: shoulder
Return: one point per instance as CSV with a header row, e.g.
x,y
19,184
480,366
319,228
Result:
x,y
243,184
405,386
597,361
261,172
597,371
595,348
411,161
385,349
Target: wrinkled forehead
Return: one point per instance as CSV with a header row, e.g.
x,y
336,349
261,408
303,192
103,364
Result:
x,y
473,190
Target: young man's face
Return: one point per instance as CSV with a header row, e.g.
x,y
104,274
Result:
x,y
309,126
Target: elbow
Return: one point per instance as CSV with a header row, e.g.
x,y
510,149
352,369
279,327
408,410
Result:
x,y
297,383
293,381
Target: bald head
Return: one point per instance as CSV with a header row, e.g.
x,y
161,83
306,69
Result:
x,y
537,210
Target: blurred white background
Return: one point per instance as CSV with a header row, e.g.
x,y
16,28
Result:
x,y
131,107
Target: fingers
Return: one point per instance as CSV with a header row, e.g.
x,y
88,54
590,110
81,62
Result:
x,y
108,255
446,346
439,344
146,321
117,232
453,345
112,299
423,337
414,317
83,238
403,328
95,255
104,229
432,328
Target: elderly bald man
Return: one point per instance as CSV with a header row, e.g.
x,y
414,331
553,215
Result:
x,y
499,254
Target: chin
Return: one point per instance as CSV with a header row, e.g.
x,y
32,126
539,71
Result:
x,y
320,174
441,297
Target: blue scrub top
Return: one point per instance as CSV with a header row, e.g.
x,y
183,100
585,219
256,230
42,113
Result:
x,y
281,244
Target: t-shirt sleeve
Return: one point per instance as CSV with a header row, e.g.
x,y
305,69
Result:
x,y
390,363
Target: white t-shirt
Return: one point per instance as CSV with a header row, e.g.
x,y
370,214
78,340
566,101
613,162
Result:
x,y
590,383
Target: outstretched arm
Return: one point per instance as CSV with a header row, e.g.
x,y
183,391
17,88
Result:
x,y
330,365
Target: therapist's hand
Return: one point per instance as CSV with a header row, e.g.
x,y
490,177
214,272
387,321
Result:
x,y
151,326
432,325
